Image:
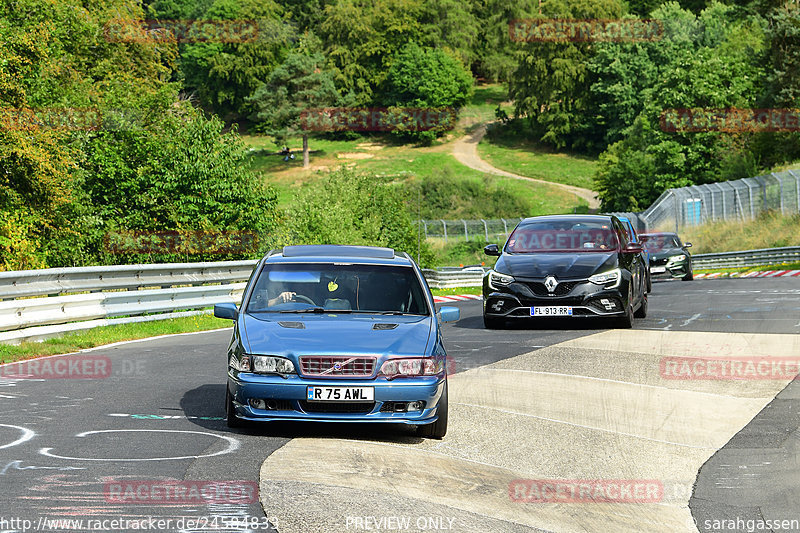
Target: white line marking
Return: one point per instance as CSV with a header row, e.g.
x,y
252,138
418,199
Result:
x,y
233,445
27,435
692,319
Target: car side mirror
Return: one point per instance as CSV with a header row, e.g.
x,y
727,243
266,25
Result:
x,y
449,314
687,245
492,249
633,248
226,310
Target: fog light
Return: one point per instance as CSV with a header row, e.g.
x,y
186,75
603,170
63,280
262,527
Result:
x,y
258,404
416,406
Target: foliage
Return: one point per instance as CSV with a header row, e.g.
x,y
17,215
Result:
x,y
351,208
301,83
427,78
224,74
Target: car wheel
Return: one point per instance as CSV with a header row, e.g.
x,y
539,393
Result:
x,y
438,429
689,275
626,321
649,283
642,311
230,414
490,322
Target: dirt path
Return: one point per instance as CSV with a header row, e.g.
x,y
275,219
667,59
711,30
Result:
x,y
465,151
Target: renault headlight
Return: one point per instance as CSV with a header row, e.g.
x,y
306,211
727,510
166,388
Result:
x,y
610,279
497,280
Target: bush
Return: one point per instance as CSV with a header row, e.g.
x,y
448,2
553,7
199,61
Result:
x,y
351,208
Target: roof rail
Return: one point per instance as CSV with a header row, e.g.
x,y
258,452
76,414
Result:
x,y
317,250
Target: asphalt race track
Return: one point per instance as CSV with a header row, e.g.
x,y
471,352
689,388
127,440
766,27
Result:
x,y
562,400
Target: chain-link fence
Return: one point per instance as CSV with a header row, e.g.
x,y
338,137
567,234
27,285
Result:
x,y
728,200
468,230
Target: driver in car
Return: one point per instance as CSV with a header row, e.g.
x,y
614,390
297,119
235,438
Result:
x,y
282,298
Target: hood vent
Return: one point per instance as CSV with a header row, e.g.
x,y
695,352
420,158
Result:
x,y
384,326
292,325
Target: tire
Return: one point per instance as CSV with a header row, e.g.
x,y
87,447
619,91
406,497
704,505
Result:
x,y
230,414
642,311
490,322
649,282
626,322
689,276
438,429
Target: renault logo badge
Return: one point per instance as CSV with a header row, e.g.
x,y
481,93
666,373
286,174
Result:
x,y
551,283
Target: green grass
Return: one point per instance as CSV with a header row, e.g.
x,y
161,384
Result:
x,y
482,105
456,290
73,342
769,230
512,152
744,270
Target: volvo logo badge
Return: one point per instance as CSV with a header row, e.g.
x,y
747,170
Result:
x,y
551,283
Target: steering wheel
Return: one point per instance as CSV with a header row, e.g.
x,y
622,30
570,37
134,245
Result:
x,y
300,297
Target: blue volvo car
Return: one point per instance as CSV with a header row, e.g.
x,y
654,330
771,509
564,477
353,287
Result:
x,y
332,333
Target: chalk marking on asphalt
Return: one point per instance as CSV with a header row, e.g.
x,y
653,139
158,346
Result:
x,y
594,428
483,369
27,435
692,319
17,465
233,445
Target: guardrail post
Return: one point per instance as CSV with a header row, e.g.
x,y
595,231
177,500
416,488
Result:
x,y
466,233
444,226
485,230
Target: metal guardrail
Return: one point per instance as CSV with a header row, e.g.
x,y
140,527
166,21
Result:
x,y
747,258
37,304
448,278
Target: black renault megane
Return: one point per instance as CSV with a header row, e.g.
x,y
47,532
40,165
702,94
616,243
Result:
x,y
566,266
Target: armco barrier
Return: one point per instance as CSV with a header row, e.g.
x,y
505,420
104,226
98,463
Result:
x,y
747,258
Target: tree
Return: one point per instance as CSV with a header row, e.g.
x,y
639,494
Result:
x,y
301,83
427,78
226,73
551,83
360,37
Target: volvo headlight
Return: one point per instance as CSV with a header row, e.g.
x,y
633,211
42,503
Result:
x,y
677,258
605,278
497,280
267,364
428,366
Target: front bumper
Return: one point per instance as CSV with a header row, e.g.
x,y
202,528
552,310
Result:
x,y
664,269
290,404
585,298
